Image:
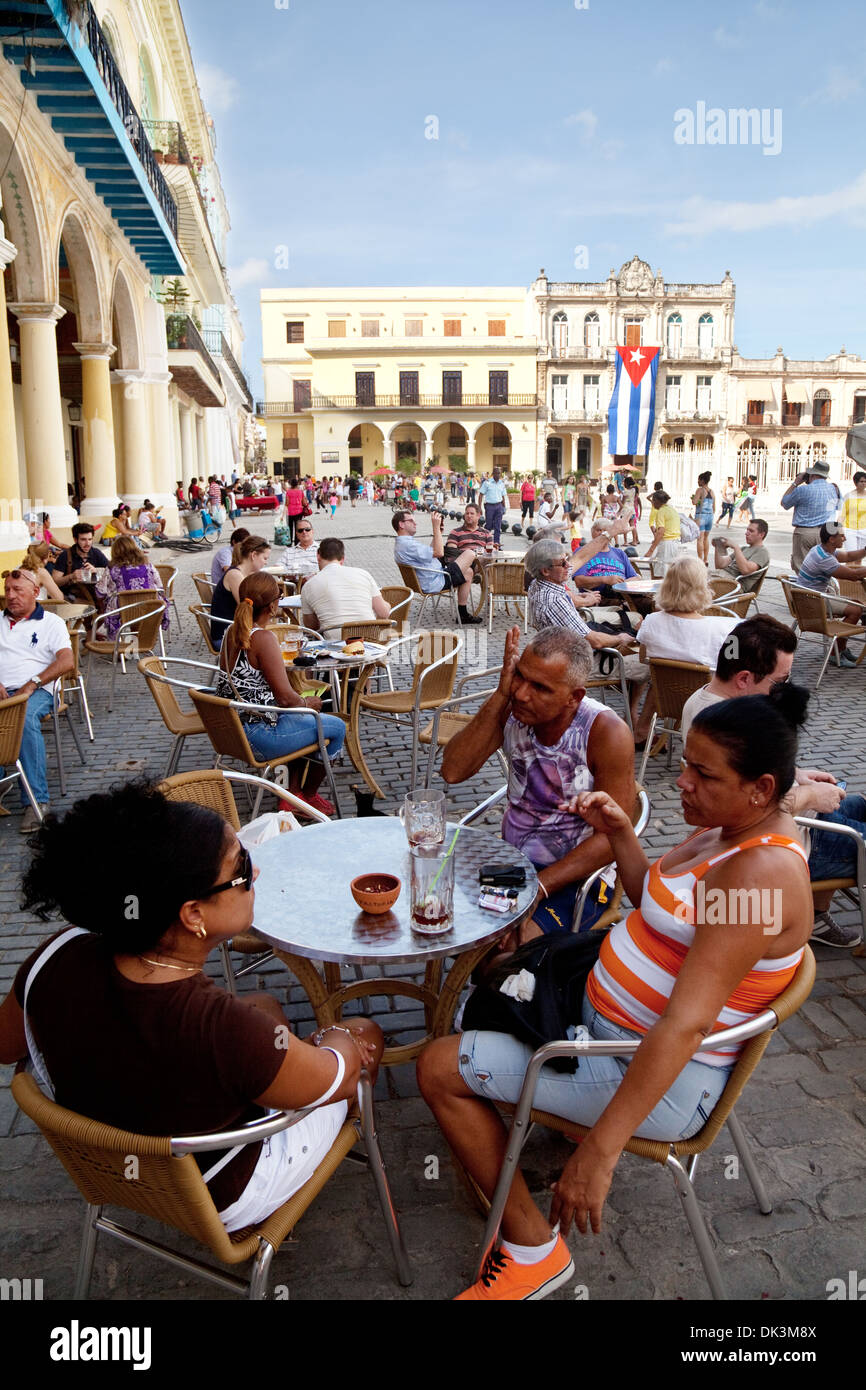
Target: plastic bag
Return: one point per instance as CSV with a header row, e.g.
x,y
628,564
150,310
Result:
x,y
265,827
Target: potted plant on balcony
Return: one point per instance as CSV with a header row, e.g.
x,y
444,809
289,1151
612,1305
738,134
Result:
x,y
175,298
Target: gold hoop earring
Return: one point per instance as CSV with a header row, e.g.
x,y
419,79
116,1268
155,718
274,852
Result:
x,y
201,934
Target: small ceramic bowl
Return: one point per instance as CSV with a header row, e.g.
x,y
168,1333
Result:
x,y
375,893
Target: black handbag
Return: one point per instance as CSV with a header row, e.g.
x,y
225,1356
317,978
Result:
x,y
561,963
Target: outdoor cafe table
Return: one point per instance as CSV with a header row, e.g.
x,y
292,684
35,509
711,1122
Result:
x,y
305,911
637,586
338,668
70,612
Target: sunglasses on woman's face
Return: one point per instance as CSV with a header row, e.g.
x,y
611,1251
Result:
x,y
245,878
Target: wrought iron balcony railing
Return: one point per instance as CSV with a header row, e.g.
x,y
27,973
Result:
x,y
181,332
216,344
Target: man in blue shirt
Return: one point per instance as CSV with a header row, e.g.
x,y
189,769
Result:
x,y
826,562
604,569
433,571
815,500
494,495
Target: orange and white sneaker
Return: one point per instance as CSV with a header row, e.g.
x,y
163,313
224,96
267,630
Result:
x,y
503,1279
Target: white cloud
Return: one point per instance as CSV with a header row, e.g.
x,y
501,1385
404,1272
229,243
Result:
x,y
726,38
220,90
251,272
701,216
587,123
840,86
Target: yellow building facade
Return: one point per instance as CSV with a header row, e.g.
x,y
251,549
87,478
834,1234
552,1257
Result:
x,y
361,378
119,338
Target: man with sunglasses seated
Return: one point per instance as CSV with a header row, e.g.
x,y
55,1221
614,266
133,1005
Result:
x,y
35,650
757,655
302,557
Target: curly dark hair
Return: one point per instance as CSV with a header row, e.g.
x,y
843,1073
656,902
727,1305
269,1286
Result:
x,y
155,855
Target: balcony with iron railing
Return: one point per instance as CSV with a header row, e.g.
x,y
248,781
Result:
x,y
367,401
199,374
581,352
217,346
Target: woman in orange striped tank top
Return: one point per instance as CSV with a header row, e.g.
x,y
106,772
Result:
x,y
719,932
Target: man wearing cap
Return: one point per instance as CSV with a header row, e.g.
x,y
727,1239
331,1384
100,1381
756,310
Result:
x,y
34,651
815,500
827,562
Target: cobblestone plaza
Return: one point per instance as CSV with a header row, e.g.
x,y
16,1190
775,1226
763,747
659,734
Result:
x,y
804,1111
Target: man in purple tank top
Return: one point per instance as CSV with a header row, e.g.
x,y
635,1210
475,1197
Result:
x,y
558,743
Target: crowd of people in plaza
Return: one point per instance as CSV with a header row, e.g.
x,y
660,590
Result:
x,y
134,1033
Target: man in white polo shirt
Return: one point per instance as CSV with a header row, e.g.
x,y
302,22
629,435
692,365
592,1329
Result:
x,y
34,651
340,593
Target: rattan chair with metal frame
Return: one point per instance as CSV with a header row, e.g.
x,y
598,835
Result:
x,y
141,613
228,737
673,682
73,681
616,679
505,580
433,678
448,719
409,574
13,712
722,584
204,587
755,1034
612,912
812,616
168,575
213,788
854,888
201,613
399,598
61,708
169,1186
183,724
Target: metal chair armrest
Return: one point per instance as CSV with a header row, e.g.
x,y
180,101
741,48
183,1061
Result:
x,y
428,671
251,780
484,806
250,1133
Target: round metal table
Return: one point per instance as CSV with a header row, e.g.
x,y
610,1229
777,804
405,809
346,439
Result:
x,y
305,911
637,586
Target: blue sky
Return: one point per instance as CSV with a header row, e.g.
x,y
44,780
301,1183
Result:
x,y
555,130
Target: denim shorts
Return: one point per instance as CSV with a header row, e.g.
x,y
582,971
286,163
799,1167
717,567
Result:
x,y
835,856
493,1065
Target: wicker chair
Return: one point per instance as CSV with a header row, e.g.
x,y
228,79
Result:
x,y
213,789
722,584
59,709
182,723
73,681
168,575
505,580
409,575
673,682
400,599
853,888
204,587
170,1188
13,712
811,615
224,728
141,612
449,718
201,613
433,674
612,912
733,605
756,1034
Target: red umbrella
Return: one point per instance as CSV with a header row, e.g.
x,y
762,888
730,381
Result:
x,y
380,470
438,468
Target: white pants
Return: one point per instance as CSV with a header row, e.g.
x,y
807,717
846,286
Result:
x,y
286,1162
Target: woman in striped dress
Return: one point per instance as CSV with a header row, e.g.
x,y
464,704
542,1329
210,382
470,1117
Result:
x,y
715,939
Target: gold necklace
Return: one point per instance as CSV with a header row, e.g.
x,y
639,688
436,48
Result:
x,y
164,965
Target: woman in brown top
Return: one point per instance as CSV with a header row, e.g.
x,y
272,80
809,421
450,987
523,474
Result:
x,y
130,1030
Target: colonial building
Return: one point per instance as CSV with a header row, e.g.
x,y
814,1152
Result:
x,y
119,338
356,379
714,409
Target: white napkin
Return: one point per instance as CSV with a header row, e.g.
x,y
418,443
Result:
x,y
520,987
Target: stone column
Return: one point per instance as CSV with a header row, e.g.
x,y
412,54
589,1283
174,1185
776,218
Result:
x,y
137,473
187,447
44,440
97,417
163,471
204,468
14,536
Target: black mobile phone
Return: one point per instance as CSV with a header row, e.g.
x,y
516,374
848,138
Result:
x,y
502,875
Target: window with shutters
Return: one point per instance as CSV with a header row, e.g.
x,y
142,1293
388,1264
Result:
x,y
496,328
706,334
295,332
675,335
791,411
498,384
560,333
336,328
633,332
369,328
705,395
591,400
302,394
365,388
859,417
673,389
290,438
559,394
821,408
755,413
452,328
592,332
408,388
452,388
414,328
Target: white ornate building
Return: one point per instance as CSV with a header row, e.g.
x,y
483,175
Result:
x,y
714,409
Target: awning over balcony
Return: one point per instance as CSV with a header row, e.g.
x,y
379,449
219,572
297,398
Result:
x,y
76,82
795,392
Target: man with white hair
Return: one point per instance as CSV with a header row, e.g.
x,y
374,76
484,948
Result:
x,y
35,650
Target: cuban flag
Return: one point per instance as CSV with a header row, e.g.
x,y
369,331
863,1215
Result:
x,y
632,409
